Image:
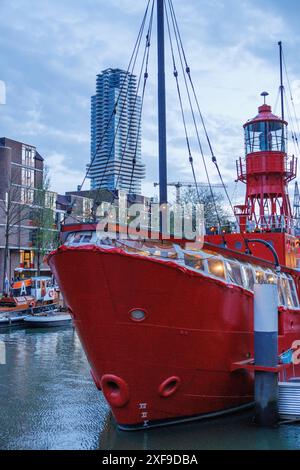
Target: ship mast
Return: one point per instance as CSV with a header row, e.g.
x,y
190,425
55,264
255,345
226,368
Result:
x,y
281,81
162,138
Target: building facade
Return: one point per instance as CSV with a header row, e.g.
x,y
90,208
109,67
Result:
x,y
116,133
72,207
21,176
27,210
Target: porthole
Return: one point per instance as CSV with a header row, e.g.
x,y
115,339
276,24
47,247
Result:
x,y
137,315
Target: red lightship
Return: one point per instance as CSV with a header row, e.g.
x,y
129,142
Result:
x,y
168,327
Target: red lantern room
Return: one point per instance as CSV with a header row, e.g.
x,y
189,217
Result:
x,y
266,171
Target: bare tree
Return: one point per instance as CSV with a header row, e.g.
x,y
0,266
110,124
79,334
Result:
x,y
214,211
14,210
43,217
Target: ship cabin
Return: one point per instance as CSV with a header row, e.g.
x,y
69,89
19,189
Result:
x,y
226,266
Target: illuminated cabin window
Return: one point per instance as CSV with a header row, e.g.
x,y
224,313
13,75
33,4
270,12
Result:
x,y
289,292
257,275
193,246
234,272
260,277
271,277
194,261
216,267
285,287
134,246
149,248
248,276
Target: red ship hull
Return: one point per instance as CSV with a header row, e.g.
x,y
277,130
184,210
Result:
x,y
177,362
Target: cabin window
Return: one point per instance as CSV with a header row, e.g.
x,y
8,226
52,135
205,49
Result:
x,y
193,246
286,291
151,248
260,277
107,241
271,277
216,267
248,276
86,238
136,246
77,238
234,272
281,297
163,249
293,291
194,261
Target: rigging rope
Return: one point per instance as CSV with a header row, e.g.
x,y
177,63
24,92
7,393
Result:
x,y
277,101
175,73
132,115
123,109
131,67
291,97
146,75
290,119
182,57
188,73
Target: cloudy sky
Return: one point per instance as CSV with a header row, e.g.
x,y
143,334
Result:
x,y
51,51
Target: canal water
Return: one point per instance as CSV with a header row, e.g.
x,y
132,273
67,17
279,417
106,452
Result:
x,y
48,401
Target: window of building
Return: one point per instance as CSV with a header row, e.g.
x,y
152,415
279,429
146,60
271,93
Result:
x,y
26,259
50,200
87,207
27,178
27,195
28,155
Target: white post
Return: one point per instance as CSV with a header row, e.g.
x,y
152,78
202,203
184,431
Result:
x,y
266,353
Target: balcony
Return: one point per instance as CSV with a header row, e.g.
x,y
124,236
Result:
x,y
261,163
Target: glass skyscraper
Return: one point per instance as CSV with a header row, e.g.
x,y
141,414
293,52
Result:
x,y
116,137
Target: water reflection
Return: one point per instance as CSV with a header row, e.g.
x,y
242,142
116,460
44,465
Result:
x,y
48,401
235,432
47,398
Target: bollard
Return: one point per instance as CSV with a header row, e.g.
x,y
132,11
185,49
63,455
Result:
x,y
266,353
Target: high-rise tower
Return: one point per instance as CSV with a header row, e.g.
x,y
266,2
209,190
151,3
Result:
x,y
116,133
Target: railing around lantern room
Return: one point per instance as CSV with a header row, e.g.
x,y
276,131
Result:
x,y
264,163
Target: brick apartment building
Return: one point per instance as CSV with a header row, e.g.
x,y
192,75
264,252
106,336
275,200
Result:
x,y
21,179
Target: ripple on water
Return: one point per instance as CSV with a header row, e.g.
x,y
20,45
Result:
x,y
48,401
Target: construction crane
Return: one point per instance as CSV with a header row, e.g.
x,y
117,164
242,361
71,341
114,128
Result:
x,y
296,210
180,184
